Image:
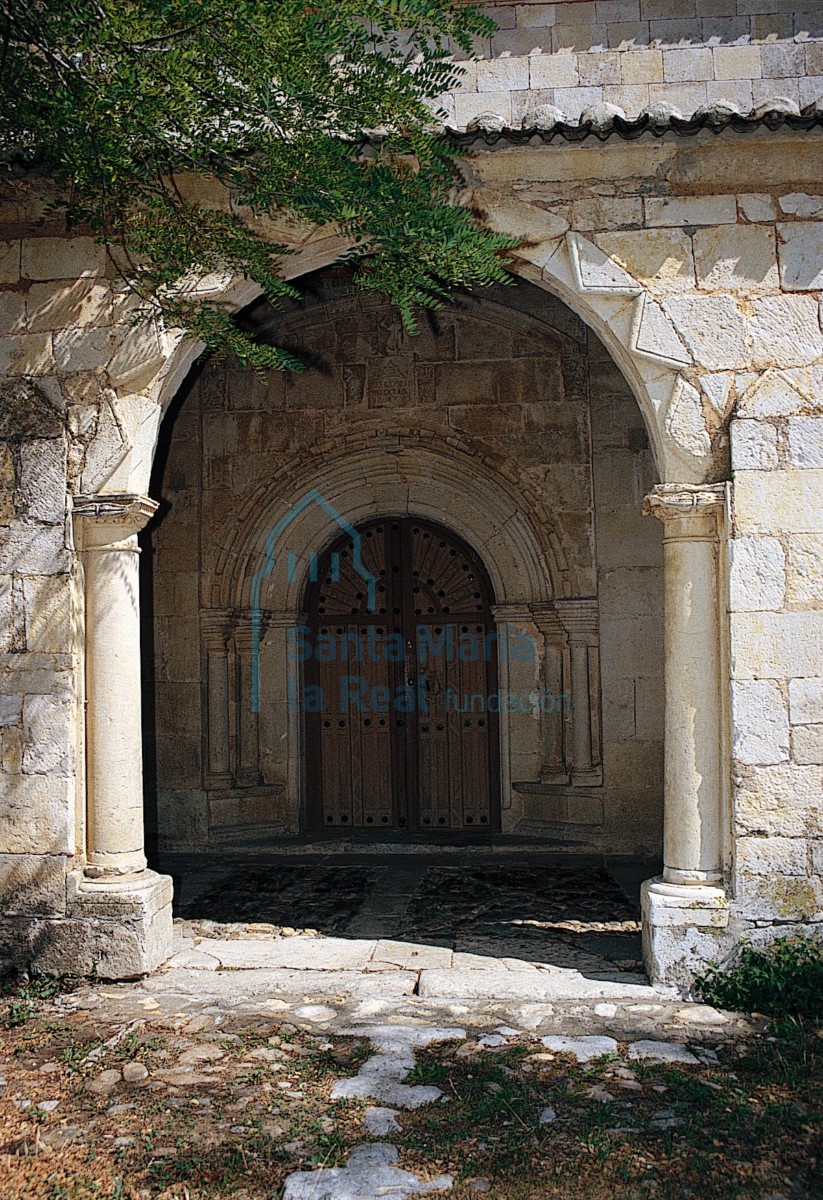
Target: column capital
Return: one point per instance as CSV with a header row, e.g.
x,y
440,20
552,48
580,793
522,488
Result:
x,y
580,618
547,621
673,501
215,626
112,518
514,613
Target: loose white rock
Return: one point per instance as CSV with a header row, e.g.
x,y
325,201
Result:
x,y
583,1048
664,1052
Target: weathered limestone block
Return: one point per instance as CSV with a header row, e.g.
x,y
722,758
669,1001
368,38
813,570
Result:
x,y
789,897
34,550
801,255
691,210
771,856
757,574
737,258
37,814
32,884
132,919
781,645
805,701
779,502
772,394
26,412
41,494
805,438
82,349
48,736
662,259
782,800
760,722
754,445
757,206
50,619
62,258
807,744
713,328
12,615
804,570
683,927
785,331
9,262
12,313
75,302
27,354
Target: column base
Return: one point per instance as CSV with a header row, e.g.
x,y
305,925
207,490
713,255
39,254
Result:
x,y
684,928
129,919
591,777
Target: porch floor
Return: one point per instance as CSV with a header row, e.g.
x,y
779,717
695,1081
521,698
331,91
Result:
x,y
449,907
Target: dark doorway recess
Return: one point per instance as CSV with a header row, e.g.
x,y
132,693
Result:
x,y
402,671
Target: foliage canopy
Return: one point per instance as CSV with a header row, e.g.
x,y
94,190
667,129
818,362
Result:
x,y
321,110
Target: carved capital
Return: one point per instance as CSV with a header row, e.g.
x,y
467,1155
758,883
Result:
x,y
672,501
580,618
215,628
511,614
548,622
109,520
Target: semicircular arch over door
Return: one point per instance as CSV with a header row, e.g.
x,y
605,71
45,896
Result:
x,y
400,683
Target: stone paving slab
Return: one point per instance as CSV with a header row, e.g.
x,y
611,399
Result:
x,y
297,953
257,983
531,985
413,956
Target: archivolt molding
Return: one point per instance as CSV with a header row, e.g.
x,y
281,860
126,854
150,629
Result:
x,y
638,333
643,341
395,475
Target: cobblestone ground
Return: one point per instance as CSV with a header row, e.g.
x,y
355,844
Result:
x,y
398,1029
582,915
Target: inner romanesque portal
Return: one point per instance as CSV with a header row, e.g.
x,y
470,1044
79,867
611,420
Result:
x,y
401,692
483,479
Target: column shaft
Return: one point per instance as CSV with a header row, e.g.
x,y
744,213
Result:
x,y
693,750
113,687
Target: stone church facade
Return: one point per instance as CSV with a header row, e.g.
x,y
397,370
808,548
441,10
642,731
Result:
x,y
617,462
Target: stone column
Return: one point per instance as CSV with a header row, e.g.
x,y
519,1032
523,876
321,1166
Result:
x,y
215,629
131,904
581,622
692,754
248,753
689,895
554,768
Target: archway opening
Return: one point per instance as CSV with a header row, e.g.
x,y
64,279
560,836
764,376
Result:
x,y
506,431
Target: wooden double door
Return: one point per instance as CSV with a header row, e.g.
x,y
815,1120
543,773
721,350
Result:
x,y
400,684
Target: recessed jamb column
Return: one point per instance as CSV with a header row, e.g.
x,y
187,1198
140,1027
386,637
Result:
x,y
692,655
580,619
